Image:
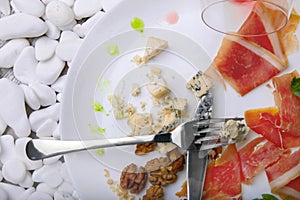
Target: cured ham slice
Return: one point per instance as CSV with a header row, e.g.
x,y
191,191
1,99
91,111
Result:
x,y
291,190
245,65
256,156
260,22
223,176
266,121
284,170
287,103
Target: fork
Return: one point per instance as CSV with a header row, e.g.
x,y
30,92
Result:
x,y
37,149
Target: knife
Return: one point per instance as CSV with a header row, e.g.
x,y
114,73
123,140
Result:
x,y
197,160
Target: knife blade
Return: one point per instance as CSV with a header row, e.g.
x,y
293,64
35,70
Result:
x,y
196,159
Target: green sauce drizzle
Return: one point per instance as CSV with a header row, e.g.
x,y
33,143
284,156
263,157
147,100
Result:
x,y
99,152
112,49
96,129
97,107
137,24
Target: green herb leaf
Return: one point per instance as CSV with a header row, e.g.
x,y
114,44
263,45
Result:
x,y
295,86
267,197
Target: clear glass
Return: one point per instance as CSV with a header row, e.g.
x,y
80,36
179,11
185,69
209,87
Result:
x,y
246,17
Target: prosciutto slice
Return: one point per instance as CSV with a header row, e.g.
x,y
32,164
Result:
x,y
256,156
287,103
223,176
284,170
291,190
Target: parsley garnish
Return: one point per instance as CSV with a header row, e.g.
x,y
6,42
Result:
x,y
270,197
295,86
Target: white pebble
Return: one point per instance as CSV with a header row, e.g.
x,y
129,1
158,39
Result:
x,y
13,192
27,182
59,13
42,174
75,195
88,24
21,25
67,49
45,48
86,8
56,133
53,31
10,52
51,160
58,85
32,7
79,30
30,97
14,171
65,173
59,97
66,187
39,196
46,129
109,4
43,187
12,107
52,178
25,65
3,194
27,193
4,7
21,154
63,196
68,35
37,118
3,126
7,148
45,93
48,71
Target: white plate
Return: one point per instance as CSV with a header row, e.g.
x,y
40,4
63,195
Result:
x,y
85,169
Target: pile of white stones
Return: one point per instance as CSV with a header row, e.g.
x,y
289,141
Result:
x,y
38,39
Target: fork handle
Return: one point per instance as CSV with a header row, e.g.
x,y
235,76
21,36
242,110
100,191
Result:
x,y
37,149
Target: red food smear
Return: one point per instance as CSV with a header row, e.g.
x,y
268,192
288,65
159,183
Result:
x,y
282,172
243,69
288,104
223,176
172,17
256,156
266,121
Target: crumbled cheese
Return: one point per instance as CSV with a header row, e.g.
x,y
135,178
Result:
x,y
175,104
157,86
120,108
155,70
234,130
140,123
137,59
154,47
136,90
200,84
143,105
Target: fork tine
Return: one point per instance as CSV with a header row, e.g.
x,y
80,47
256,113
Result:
x,y
207,138
215,145
213,121
208,130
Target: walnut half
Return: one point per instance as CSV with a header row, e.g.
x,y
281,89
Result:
x,y
154,192
133,179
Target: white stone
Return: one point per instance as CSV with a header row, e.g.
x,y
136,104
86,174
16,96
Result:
x,y
21,154
45,48
12,107
14,8
14,171
10,52
53,31
75,195
59,13
3,126
48,71
51,160
66,187
86,8
68,35
65,173
27,182
7,148
66,49
43,187
53,179
31,98
13,192
25,65
56,133
39,196
69,3
21,25
63,196
39,174
88,24
46,129
58,85
4,7
3,194
68,27
79,30
45,93
37,118
32,7
25,195
109,4
59,97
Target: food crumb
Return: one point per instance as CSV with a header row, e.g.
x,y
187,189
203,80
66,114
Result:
x,y
136,90
110,181
172,17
